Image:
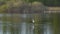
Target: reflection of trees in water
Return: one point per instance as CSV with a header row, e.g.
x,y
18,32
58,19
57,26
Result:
x,y
16,27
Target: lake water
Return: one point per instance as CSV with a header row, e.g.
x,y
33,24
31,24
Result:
x,y
25,28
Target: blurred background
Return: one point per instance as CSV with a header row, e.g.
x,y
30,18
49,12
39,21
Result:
x,y
29,17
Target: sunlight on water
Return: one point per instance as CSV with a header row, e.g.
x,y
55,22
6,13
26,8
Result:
x,y
23,28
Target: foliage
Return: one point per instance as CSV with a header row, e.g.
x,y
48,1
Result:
x,y
48,2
